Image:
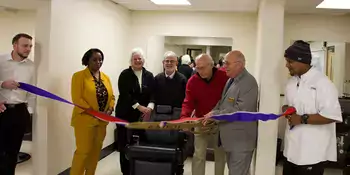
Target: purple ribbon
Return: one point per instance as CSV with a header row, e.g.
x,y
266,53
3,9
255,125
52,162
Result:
x,y
100,115
37,91
246,116
237,116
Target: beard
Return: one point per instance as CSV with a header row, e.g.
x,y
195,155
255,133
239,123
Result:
x,y
22,55
291,73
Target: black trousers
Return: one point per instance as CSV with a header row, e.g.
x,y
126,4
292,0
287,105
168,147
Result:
x,y
13,124
124,137
292,169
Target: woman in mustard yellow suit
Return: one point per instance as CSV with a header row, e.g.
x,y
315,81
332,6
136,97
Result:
x,y
90,89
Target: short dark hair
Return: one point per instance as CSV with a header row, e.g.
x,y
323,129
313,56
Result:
x,y
88,55
220,62
19,36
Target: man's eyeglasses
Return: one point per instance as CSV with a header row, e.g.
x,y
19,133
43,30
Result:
x,y
227,63
170,61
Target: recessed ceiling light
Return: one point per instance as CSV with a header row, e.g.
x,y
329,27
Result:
x,y
334,4
171,2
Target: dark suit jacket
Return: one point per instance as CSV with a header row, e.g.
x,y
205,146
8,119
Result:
x,y
130,94
186,70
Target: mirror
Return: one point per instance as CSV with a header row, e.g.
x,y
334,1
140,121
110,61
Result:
x,y
217,47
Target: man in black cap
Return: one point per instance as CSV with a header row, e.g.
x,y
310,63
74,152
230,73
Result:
x,y
310,139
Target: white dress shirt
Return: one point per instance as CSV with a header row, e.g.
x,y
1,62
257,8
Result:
x,y
23,71
307,144
139,77
171,76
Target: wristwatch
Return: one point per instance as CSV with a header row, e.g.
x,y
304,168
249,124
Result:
x,y
304,119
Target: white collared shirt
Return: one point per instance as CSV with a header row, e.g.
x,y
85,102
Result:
x,y
171,76
308,144
23,71
139,77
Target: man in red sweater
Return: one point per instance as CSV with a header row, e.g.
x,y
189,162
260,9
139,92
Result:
x,y
203,91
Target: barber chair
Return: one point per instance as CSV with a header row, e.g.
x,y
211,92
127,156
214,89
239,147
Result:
x,y
162,152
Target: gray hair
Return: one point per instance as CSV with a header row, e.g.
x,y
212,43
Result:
x,y
205,56
185,59
138,51
169,54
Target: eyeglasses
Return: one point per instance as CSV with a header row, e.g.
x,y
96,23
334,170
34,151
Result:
x,y
227,63
170,61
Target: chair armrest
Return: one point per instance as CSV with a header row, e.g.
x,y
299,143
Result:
x,y
135,140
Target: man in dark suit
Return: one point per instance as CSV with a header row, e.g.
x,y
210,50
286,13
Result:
x,y
135,102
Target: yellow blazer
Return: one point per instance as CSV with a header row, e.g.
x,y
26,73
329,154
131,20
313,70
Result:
x,y
83,93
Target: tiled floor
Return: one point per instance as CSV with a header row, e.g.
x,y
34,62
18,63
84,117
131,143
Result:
x,y
110,166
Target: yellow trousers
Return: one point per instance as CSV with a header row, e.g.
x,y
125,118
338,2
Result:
x,y
89,141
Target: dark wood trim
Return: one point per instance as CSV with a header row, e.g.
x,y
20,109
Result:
x,y
104,153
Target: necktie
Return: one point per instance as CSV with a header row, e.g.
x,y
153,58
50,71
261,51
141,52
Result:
x,y
229,84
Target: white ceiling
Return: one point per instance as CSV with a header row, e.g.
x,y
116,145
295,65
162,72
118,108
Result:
x,y
196,5
292,6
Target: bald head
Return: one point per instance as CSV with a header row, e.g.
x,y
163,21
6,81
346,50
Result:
x,y
234,63
204,58
204,65
236,56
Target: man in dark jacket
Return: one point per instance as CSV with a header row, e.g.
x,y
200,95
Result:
x,y
185,68
135,102
170,85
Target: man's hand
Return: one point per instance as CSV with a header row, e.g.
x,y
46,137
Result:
x,y
109,111
146,112
142,109
10,84
294,119
2,107
207,118
285,107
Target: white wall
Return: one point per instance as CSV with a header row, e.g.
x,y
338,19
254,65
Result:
x,y
240,27
208,41
179,50
75,27
13,23
155,52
